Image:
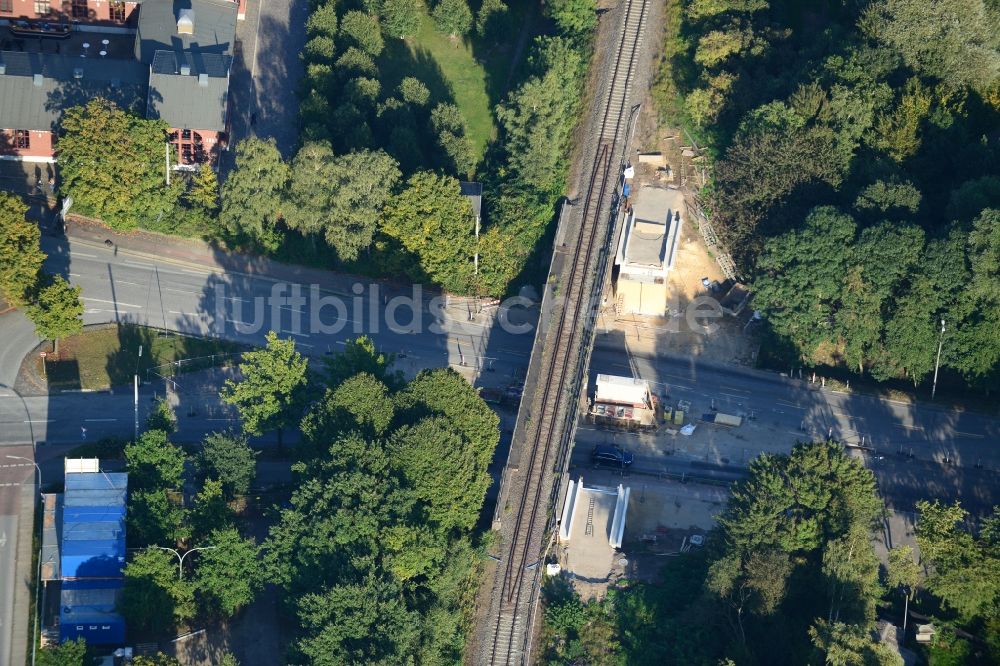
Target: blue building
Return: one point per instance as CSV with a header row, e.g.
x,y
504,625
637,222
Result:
x,y
92,554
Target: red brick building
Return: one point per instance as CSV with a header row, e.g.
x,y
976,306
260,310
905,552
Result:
x,y
177,69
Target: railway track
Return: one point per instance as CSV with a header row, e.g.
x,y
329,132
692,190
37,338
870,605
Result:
x,y
560,372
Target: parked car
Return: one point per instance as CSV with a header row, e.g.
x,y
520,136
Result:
x,y
605,454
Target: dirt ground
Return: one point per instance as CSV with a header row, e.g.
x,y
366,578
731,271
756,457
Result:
x,y
728,342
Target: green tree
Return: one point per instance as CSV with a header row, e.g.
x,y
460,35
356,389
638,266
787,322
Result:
x,y
884,196
230,574
413,91
964,571
111,163
70,653
492,19
210,511
204,190
363,31
538,118
230,459
452,17
902,571
401,18
433,220
446,393
802,275
359,404
841,644
158,659
21,256
443,470
755,584
162,417
154,518
449,126
154,598
253,193
154,462
56,310
341,197
574,17
955,40
270,391
361,356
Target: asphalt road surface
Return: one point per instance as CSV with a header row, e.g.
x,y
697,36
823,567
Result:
x,y
916,450
122,287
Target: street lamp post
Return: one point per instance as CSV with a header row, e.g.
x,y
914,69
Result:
x,y
135,401
180,557
937,363
38,579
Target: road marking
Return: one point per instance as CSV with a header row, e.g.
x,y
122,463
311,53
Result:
x,y
101,300
298,335
305,344
738,390
679,387
98,420
186,314
81,254
136,264
74,274
39,421
181,291
134,284
192,272
790,404
237,298
974,435
730,395
909,427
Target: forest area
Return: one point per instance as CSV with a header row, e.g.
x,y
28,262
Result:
x,y
790,576
856,177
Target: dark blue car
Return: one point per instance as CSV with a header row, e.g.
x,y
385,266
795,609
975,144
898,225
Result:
x,y
607,454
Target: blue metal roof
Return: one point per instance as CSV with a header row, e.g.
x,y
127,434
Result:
x,y
96,481
90,614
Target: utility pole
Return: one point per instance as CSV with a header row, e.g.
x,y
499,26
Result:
x,y
135,401
938,362
166,158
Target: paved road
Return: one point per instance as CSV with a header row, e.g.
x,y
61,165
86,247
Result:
x,y
920,450
269,47
16,492
127,287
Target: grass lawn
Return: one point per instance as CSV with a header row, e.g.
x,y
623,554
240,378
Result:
x,y
467,72
101,357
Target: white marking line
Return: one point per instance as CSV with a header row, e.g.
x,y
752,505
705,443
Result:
x,y
133,284
39,421
789,404
970,434
121,305
74,275
188,270
16,465
98,420
909,427
181,291
730,395
81,254
186,314
738,390
136,264
299,335
679,387
237,298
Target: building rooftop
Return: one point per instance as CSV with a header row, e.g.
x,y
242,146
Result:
x,y
36,87
213,29
646,243
189,91
625,390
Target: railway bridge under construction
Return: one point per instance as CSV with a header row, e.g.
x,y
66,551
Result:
x,y
546,422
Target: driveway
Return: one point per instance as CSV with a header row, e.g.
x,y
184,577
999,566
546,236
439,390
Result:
x,y
266,73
